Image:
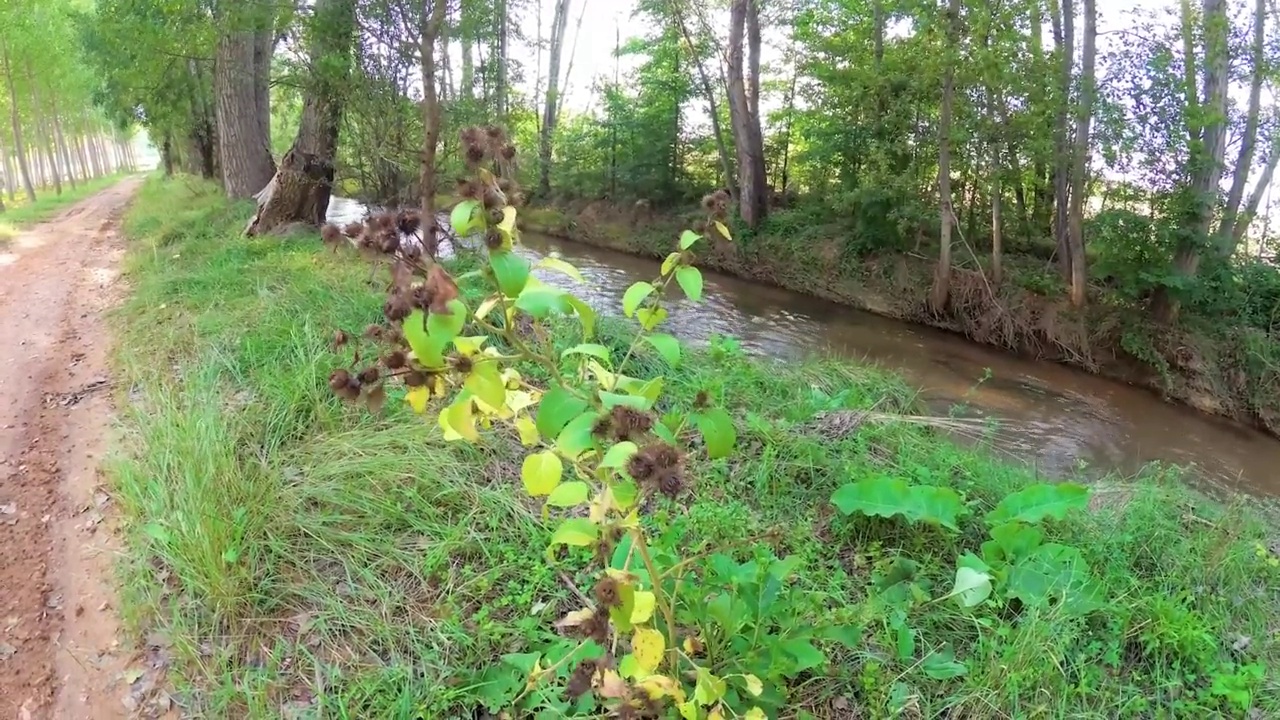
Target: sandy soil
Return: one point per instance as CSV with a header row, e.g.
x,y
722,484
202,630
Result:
x,y
61,655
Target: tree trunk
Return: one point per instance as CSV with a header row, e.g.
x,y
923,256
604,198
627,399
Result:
x,y
166,154
19,147
1255,198
550,110
1064,38
1226,235
942,274
6,165
244,147
1084,119
67,160
722,147
263,47
303,184
432,26
500,89
1208,130
753,195
468,81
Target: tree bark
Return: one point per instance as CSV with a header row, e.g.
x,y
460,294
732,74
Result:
x,y
67,159
244,147
1064,38
1226,236
1084,119
303,184
166,154
10,182
263,47
1250,210
432,26
500,89
753,194
19,147
550,110
722,147
1207,131
941,290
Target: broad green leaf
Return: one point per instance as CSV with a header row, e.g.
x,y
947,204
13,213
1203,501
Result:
x,y
444,327
625,493
1037,502
884,496
621,613
575,438
464,218
717,431
557,408
973,582
511,271
576,532
635,295
690,279
1053,572
1011,542
459,418
688,238
939,505
541,302
618,455
647,645
942,665
804,653
906,642
541,473
592,349
667,346
586,315
628,667
651,318
612,400
428,349
723,230
562,267
671,262
485,382
709,689
569,494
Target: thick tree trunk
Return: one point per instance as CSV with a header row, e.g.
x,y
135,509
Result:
x,y
263,47
1084,119
244,146
941,290
753,186
19,148
1226,235
1208,132
432,26
302,185
166,154
551,106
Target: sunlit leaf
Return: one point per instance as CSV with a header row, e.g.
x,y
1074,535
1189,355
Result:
x,y
688,238
619,454
429,350
973,582
444,327
485,382
487,307
612,400
647,645
651,318
645,601
464,218
717,431
586,315
560,266
576,532
529,435
576,437
635,295
541,473
688,710
708,689
667,346
690,280
754,686
671,262
511,271
541,302
569,494
417,398
724,230
459,417
507,227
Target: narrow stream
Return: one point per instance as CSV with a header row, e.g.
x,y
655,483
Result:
x,y
1060,419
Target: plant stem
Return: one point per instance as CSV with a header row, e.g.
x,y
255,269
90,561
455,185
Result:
x,y
668,613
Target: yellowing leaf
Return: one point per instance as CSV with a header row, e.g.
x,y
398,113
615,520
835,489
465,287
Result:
x,y
709,688
612,686
469,345
561,266
715,714
487,307
417,398
575,618
688,710
461,420
541,473
755,713
508,225
645,602
518,400
754,686
651,318
485,383
672,261
723,230
528,431
660,686
648,645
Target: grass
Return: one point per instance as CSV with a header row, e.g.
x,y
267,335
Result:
x,y
19,213
302,558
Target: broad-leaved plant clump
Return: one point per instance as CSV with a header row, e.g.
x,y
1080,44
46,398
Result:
x,y
659,631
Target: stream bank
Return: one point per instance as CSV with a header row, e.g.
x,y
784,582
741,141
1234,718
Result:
x,y
1227,375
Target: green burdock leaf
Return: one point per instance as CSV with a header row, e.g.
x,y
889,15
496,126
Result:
x,y
973,581
690,279
464,218
1037,502
612,400
667,346
717,431
688,238
1054,572
540,302
576,438
569,494
883,496
557,408
511,271
635,295
428,348
577,532
445,327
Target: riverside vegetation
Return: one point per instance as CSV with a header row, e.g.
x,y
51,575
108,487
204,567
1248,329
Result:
x,y
480,499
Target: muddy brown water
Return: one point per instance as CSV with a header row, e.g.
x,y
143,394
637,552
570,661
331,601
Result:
x,y
1063,421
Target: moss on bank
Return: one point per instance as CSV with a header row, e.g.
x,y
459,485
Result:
x,y
305,559
1231,371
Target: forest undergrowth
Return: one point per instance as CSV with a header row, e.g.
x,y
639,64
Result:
x,y
308,558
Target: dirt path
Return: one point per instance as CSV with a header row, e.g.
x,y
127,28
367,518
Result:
x,y
60,656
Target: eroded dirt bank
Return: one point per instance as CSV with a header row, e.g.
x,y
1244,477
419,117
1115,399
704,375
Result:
x,y
61,654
